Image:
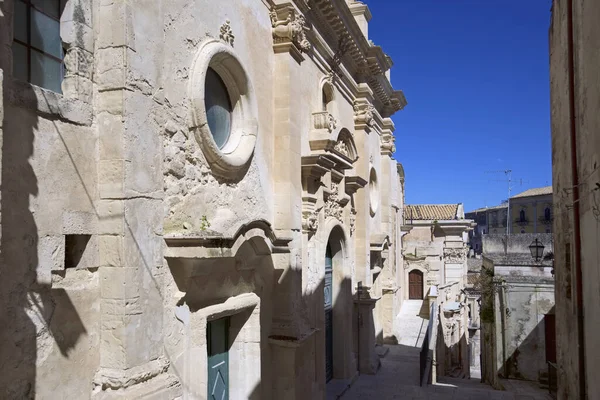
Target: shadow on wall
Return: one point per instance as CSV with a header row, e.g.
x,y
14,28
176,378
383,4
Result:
x,y
34,316
529,359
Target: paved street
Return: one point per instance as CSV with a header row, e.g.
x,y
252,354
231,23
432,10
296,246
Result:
x,y
398,377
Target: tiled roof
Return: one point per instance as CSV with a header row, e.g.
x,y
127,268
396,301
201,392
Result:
x,y
500,207
431,211
534,192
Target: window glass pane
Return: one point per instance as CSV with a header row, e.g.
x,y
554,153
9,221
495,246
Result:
x,y
218,108
49,7
20,66
45,34
45,71
21,21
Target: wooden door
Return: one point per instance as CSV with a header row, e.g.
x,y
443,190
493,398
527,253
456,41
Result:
x,y
415,285
328,304
218,359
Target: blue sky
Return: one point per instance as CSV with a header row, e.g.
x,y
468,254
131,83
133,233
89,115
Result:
x,y
475,74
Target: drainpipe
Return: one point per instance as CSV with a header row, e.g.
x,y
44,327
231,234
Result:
x,y
576,215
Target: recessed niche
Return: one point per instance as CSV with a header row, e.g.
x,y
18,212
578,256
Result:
x,y
75,246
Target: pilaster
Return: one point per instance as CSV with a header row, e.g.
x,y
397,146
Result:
x,y
129,208
363,125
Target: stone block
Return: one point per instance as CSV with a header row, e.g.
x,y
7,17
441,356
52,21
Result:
x,y
110,178
110,251
119,282
51,255
111,68
110,101
111,217
111,136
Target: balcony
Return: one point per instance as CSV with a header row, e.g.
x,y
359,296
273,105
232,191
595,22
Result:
x,y
546,220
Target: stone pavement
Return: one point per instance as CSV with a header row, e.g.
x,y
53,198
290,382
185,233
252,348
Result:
x,y
398,377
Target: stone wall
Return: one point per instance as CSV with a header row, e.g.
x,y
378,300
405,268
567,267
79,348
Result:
x,y
583,128
126,230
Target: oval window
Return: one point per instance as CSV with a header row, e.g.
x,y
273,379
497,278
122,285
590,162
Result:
x,y
218,108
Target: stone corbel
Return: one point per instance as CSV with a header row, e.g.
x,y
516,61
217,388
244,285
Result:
x,y
289,31
363,113
387,146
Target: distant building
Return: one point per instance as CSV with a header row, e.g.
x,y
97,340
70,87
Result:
x,y
531,211
489,220
435,249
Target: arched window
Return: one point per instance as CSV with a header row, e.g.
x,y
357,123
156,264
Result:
x,y
547,214
522,216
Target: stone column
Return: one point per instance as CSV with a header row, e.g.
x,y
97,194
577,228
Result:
x,y
130,210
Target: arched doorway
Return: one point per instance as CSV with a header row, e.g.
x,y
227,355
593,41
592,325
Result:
x,y
328,305
415,285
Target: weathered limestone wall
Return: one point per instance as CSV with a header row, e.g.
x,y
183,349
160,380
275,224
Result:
x,y
50,279
125,230
586,98
524,330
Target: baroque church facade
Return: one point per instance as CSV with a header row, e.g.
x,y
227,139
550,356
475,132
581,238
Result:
x,y
197,201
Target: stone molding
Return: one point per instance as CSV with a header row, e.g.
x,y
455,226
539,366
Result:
x,y
110,378
233,159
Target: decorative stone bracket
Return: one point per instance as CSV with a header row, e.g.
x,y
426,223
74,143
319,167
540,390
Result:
x,y
289,30
363,113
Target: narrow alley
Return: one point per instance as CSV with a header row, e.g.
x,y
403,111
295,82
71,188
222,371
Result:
x,y
398,377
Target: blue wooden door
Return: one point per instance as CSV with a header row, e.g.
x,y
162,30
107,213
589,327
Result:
x,y
328,292
217,333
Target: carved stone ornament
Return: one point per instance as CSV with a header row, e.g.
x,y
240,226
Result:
x,y
342,148
324,120
329,77
387,144
454,255
291,27
310,220
332,206
352,221
226,34
363,113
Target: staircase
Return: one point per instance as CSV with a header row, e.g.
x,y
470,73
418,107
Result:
x,y
409,326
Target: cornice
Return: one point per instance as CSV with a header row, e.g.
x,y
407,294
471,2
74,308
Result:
x,y
368,63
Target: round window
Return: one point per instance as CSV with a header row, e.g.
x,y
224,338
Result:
x,y
218,108
223,109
